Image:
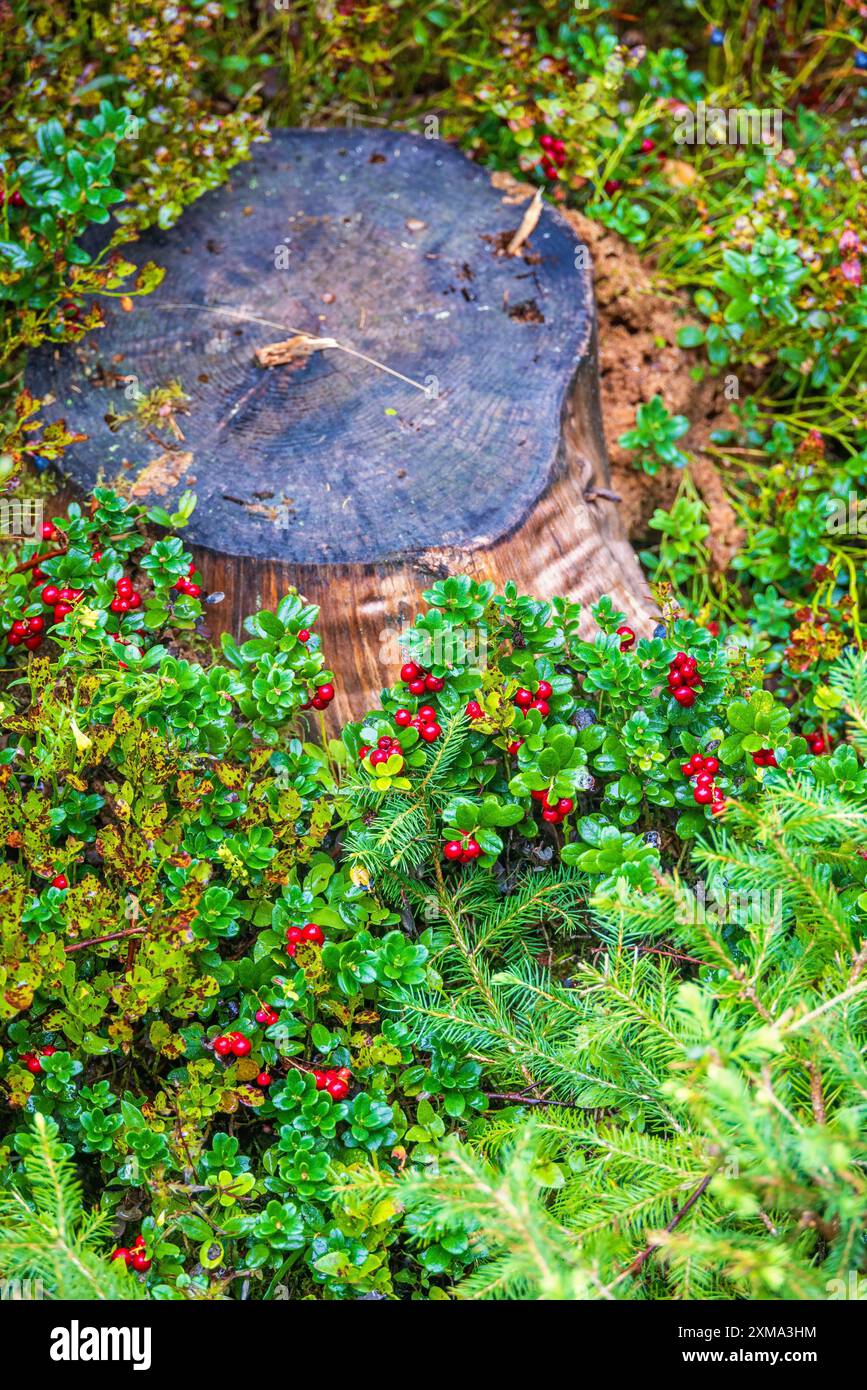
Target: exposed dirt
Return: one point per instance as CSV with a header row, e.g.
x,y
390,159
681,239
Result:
x,y
638,358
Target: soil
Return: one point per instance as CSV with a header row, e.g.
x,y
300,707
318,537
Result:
x,y
639,358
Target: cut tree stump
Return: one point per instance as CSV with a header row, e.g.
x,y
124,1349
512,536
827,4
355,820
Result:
x,y
449,422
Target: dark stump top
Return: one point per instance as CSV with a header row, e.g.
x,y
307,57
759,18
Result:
x,y
390,245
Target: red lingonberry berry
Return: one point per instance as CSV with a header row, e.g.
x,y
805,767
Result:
x,y
474,710
326,691
241,1046
553,816
263,1079
61,610
303,635
193,590
703,795
565,805
426,713
514,746
627,637
711,765
60,881
684,696
409,672
121,1253
48,531
378,756
266,1016
429,732
472,849
402,718
544,691
140,1262
124,587
417,687
37,624
434,684
222,1046
523,698
314,933
50,595
294,935
453,849
542,706
612,186
648,146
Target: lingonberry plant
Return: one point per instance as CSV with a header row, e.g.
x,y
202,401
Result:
x,y
255,986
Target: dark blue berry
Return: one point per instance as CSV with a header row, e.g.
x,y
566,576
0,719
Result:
x,y
860,60
717,37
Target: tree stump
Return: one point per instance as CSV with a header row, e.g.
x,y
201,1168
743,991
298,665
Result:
x,y
450,422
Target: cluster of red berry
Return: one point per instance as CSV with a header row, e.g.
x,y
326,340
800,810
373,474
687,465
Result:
x,y
15,198
336,1083
816,743
61,600
554,157
186,586
135,1258
385,748
424,719
32,1062
705,792
309,933
125,597
235,1043
30,631
419,680
683,679
554,811
765,757
322,698
535,699
464,852
266,1015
